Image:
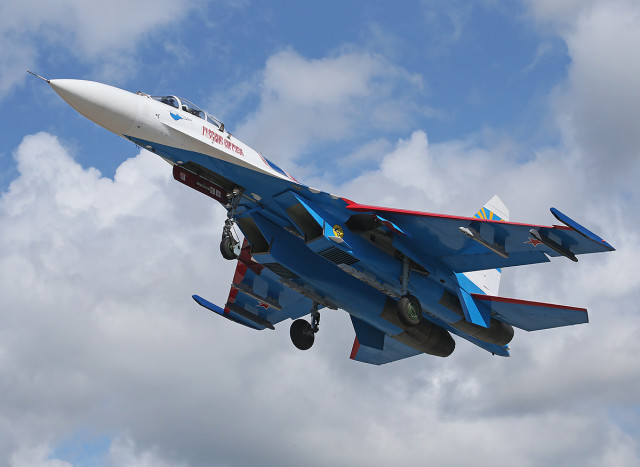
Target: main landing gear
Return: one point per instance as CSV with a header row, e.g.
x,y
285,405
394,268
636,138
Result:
x,y
408,308
302,332
229,245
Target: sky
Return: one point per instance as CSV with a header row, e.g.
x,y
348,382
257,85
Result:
x,y
105,360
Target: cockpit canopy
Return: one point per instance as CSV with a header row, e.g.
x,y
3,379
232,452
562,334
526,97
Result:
x,y
188,106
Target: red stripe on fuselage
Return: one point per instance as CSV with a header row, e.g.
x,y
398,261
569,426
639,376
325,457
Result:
x,y
356,347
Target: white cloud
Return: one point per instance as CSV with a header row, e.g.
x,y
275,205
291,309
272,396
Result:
x,y
35,456
313,102
99,331
604,102
97,328
598,108
123,453
560,13
91,283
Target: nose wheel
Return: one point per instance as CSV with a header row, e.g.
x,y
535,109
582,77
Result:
x,y
303,332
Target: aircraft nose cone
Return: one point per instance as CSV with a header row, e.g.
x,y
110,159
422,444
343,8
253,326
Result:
x,y
112,108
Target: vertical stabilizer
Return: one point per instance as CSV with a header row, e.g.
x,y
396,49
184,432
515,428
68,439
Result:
x,y
494,209
488,281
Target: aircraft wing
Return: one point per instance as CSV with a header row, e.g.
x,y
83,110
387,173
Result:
x,y
472,244
258,299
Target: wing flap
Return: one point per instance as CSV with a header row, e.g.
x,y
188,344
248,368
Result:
x,y
532,316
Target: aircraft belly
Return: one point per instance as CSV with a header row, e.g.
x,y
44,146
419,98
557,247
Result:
x,y
367,286
289,256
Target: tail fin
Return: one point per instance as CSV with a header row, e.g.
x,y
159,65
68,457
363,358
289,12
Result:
x,y
489,280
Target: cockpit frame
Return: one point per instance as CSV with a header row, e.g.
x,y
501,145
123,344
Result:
x,y
187,106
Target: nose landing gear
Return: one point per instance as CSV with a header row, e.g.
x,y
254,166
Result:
x,y
229,245
302,332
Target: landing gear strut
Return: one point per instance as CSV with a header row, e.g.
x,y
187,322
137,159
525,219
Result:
x,y
229,245
302,332
408,308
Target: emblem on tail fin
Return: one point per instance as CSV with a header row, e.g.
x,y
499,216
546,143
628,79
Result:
x,y
488,281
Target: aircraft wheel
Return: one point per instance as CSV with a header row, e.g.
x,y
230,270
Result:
x,y
409,310
301,334
227,246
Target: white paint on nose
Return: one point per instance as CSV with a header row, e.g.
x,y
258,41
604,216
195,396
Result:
x,y
110,107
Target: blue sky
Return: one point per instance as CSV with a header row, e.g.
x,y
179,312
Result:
x,y
435,106
479,66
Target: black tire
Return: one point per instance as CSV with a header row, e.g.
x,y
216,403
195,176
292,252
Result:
x,y
301,334
227,246
409,310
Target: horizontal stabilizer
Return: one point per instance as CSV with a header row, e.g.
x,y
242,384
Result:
x,y
236,314
531,316
258,298
372,345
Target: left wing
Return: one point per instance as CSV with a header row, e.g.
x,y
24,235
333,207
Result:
x,y
257,298
471,244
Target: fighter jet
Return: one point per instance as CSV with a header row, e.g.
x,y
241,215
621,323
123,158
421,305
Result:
x,y
408,279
